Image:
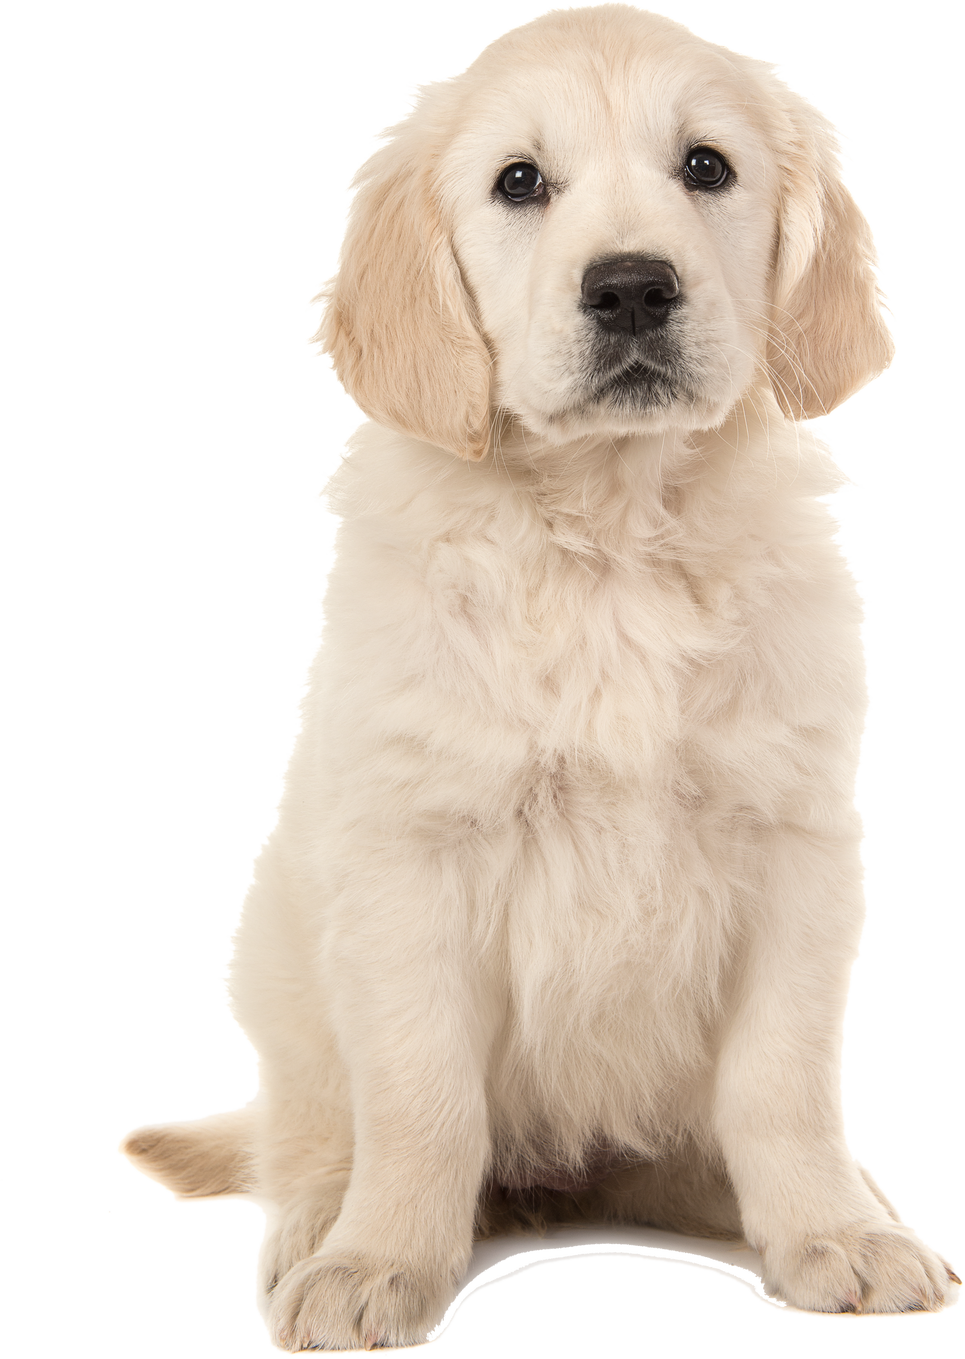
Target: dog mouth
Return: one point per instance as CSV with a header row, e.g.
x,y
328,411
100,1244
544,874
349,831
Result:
x,y
635,385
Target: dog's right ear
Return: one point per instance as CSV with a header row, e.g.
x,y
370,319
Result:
x,y
399,323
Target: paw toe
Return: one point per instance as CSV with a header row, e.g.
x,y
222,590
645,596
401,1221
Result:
x,y
334,1303
880,1268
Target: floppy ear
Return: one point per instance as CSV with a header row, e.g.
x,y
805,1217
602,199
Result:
x,y
827,336
399,323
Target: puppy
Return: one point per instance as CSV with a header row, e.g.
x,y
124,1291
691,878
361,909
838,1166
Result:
x,y
558,916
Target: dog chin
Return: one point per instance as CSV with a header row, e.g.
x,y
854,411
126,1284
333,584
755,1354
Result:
x,y
615,414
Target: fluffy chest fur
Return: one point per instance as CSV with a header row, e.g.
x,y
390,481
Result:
x,y
587,694
649,603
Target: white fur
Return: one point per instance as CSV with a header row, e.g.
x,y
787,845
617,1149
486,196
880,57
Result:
x,y
565,887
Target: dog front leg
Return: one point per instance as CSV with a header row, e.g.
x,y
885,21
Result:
x,y
414,1031
827,1242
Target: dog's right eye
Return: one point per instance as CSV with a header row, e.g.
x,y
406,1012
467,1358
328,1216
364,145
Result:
x,y
520,180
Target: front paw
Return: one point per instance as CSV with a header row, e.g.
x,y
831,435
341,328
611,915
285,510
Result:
x,y
350,1302
877,1267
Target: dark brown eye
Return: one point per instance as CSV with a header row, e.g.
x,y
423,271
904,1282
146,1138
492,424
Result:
x,y
520,180
705,168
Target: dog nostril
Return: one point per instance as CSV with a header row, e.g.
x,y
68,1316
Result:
x,y
607,300
658,297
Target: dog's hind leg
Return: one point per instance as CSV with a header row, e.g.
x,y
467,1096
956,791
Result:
x,y
682,1191
211,1156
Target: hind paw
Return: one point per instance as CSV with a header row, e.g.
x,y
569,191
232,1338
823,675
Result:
x,y
301,1231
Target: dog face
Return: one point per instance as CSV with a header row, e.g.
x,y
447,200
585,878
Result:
x,y
617,237
605,227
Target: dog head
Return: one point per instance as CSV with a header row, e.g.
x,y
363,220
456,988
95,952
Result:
x,y
605,226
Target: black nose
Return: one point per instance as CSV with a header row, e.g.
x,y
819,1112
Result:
x,y
633,293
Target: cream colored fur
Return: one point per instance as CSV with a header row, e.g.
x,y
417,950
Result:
x,y
559,913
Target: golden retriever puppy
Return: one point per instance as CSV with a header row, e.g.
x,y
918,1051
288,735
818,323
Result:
x,y
559,913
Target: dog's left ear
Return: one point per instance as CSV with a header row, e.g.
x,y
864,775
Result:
x,y
399,323
827,335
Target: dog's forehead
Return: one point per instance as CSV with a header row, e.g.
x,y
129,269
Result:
x,y
563,88
612,40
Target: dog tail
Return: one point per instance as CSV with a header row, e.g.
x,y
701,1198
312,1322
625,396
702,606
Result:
x,y
211,1156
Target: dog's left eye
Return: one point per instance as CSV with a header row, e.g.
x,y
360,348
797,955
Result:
x,y
520,180
705,168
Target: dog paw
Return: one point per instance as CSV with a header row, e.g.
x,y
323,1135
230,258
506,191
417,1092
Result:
x,y
300,1232
881,1267
343,1302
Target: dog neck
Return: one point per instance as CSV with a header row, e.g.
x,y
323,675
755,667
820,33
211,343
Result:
x,y
600,495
